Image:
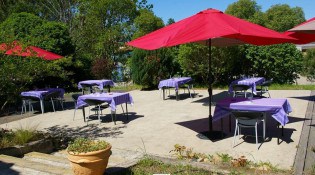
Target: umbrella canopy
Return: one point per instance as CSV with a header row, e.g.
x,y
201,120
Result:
x,y
213,28
304,32
18,50
222,29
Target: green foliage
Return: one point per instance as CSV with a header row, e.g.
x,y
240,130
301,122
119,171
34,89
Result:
x,y
225,158
19,137
244,9
52,36
281,62
84,145
193,59
19,73
148,67
19,26
8,7
151,166
309,64
282,17
146,22
22,73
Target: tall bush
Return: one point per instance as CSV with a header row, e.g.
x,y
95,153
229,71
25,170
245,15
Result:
x,y
281,62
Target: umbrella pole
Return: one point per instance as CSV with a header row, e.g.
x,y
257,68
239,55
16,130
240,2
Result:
x,y
210,81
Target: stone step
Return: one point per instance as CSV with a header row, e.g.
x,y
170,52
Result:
x,y
12,165
48,159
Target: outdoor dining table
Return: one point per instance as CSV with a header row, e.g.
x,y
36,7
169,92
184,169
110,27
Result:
x,y
277,108
113,99
252,82
41,93
173,82
99,83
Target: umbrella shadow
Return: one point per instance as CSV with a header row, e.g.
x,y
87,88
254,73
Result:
x,y
225,129
201,127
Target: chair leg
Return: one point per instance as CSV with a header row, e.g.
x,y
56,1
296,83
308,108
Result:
x,y
23,107
61,103
98,113
52,102
113,114
256,136
264,130
236,130
122,109
73,115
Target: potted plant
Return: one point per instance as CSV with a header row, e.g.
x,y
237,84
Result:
x,y
88,156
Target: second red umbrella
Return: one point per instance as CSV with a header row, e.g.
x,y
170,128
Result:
x,y
31,51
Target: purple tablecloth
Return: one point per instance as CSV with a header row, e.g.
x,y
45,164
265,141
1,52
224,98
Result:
x,y
40,93
99,83
174,82
113,99
252,82
278,108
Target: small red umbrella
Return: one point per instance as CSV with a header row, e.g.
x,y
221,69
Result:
x,y
213,28
304,32
30,51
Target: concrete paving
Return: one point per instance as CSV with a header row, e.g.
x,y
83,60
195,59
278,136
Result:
x,y
156,125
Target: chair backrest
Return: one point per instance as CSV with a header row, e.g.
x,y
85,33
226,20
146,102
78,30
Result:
x,y
30,98
93,101
240,87
248,118
53,94
267,83
75,96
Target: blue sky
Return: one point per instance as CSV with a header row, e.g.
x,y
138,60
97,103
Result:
x,y
180,9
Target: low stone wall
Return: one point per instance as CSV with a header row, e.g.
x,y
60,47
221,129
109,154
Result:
x,y
42,146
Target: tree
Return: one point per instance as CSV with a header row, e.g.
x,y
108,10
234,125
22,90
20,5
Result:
x,y
193,59
21,73
282,17
101,28
244,9
309,64
269,61
281,62
146,66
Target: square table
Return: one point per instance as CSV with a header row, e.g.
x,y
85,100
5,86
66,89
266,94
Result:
x,y
99,83
278,108
41,93
113,99
173,82
252,82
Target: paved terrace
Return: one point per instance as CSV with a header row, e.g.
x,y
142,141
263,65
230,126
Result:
x,y
156,125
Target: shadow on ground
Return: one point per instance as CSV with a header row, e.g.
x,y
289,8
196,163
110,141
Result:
x,y
227,126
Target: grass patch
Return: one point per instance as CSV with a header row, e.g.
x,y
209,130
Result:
x,y
152,166
20,136
240,165
291,87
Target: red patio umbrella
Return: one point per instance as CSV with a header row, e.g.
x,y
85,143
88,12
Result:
x,y
304,32
213,28
16,49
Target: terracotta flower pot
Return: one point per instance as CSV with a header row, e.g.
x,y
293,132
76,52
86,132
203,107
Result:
x,y
90,163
